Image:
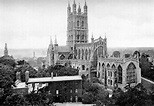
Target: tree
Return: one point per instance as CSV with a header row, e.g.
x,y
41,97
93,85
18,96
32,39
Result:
x,y
136,96
8,60
6,82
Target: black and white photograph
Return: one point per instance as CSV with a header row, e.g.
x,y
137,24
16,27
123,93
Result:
x,y
76,53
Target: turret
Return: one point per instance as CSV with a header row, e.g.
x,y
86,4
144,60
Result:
x,y
56,44
5,50
74,7
68,9
85,8
79,10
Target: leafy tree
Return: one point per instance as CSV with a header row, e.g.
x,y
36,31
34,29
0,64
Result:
x,y
6,81
136,96
8,60
15,100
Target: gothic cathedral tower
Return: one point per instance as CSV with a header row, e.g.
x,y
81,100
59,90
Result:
x,y
77,25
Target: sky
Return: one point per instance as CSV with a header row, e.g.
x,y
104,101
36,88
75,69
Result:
x,y
30,23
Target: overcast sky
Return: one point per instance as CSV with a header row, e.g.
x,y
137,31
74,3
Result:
x,y
30,23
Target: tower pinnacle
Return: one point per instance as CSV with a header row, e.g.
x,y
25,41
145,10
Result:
x,y
79,9
50,40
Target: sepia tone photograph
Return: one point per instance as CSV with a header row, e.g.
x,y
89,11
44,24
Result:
x,y
76,53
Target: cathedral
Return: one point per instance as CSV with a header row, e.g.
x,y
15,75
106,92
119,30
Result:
x,y
78,52
91,57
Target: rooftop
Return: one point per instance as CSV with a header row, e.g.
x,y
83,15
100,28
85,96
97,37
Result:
x,y
54,79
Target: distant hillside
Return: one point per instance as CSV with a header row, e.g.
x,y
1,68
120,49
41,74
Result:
x,y
20,53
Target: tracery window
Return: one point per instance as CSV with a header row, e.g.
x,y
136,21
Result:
x,y
131,75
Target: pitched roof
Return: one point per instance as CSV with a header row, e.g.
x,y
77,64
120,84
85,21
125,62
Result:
x,y
64,49
54,79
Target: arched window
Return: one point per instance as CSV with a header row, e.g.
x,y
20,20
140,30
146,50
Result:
x,y
86,54
131,75
82,23
119,74
99,67
78,37
82,37
89,53
77,23
103,72
83,67
79,54
113,66
108,65
82,54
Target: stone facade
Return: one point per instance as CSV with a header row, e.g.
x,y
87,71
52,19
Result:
x,y
119,72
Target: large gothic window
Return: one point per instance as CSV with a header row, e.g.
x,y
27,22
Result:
x,y
119,74
131,75
79,54
86,54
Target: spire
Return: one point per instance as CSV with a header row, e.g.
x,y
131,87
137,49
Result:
x,y
5,50
68,3
105,35
74,2
85,3
50,40
92,38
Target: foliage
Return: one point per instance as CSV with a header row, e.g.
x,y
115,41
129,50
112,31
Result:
x,y
6,81
136,96
94,93
57,70
7,60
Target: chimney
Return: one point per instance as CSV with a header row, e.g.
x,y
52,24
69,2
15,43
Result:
x,y
51,75
26,76
18,77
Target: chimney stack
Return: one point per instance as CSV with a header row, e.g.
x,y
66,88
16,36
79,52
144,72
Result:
x,y
26,76
51,75
18,77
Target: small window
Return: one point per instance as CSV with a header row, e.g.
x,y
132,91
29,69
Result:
x,y
76,90
71,91
57,92
83,67
71,98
